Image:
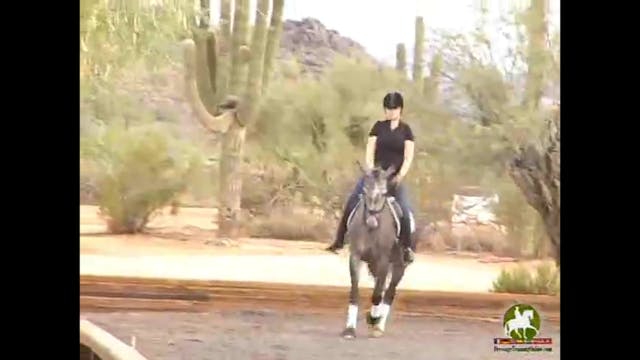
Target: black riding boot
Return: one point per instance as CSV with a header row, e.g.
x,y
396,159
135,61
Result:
x,y
405,239
338,243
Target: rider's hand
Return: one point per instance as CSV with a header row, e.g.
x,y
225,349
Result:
x,y
396,179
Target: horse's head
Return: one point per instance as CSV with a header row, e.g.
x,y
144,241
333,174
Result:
x,y
375,187
528,314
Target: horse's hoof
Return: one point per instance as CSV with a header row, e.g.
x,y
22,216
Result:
x,y
349,333
332,250
371,320
376,332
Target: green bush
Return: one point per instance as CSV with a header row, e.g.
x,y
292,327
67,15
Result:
x,y
138,171
547,279
520,280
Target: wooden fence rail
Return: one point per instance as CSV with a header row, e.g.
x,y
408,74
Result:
x,y
105,345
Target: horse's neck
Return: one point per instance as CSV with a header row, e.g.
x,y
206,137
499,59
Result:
x,y
384,206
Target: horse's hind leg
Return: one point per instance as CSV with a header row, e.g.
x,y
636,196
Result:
x,y
354,297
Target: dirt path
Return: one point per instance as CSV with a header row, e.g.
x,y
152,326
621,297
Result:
x,y
183,247
267,335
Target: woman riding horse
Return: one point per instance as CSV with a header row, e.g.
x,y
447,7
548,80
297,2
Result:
x,y
390,143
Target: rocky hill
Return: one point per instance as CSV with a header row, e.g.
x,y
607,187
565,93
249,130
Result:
x,y
315,46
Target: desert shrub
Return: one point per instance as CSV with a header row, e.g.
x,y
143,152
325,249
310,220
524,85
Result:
x,y
432,237
267,185
516,281
479,238
547,279
138,171
520,280
291,226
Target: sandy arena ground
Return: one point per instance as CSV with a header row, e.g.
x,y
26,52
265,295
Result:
x,y
182,247
265,335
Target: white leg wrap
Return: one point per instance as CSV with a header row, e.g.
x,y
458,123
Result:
x,y
383,310
352,316
375,311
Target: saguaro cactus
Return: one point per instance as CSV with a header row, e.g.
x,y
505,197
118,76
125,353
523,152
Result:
x,y
273,40
241,95
418,51
432,82
224,46
401,58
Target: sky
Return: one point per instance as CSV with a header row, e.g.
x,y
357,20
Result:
x,y
380,24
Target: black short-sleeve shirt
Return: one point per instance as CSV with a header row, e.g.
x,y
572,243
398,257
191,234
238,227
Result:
x,y
390,143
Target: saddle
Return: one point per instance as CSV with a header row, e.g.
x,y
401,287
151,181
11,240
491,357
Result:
x,y
396,212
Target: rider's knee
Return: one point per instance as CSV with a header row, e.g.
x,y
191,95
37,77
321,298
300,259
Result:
x,y
409,218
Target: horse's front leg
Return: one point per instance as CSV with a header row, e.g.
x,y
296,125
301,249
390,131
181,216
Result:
x,y
377,307
354,298
390,294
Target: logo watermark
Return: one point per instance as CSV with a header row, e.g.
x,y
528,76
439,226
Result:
x,y
521,326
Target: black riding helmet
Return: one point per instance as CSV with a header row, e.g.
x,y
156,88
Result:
x,y
393,100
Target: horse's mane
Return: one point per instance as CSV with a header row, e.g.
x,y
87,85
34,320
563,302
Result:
x,y
376,173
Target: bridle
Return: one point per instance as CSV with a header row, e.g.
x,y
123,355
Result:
x,y
367,210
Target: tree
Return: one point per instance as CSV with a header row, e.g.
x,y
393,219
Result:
x,y
536,169
536,172
525,130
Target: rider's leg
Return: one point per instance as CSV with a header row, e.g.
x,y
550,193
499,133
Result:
x,y
401,196
338,243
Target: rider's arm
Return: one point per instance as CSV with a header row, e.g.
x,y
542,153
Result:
x,y
371,150
369,157
408,158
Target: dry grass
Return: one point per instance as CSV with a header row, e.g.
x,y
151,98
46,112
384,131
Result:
x,y
440,237
291,226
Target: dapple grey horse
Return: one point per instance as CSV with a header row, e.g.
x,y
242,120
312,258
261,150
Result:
x,y
373,230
